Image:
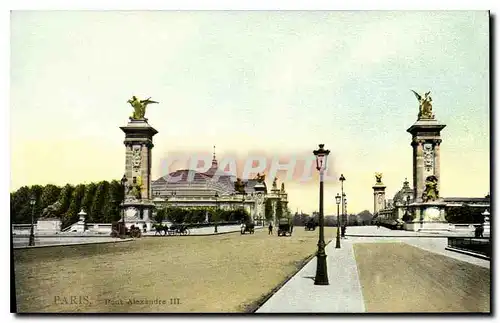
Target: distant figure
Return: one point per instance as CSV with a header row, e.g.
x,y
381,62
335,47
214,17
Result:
x,y
378,225
270,228
342,231
242,227
478,233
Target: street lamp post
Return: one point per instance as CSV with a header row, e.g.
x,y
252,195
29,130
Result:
x,y
342,179
321,268
216,210
32,231
346,218
123,181
337,240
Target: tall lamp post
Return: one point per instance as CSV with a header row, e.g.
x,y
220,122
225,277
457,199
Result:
x,y
342,179
123,181
216,210
321,269
32,231
346,218
337,240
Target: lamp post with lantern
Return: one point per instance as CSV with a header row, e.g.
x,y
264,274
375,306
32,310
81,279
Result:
x,y
321,269
32,231
337,240
216,211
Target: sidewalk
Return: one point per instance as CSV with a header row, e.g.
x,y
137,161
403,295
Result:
x,y
344,294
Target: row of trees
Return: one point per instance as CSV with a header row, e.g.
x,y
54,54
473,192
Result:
x,y
464,214
101,201
199,214
362,218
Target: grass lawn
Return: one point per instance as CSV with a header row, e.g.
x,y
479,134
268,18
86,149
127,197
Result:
x,y
224,273
396,277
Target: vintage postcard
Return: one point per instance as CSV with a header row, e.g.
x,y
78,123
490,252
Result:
x,y
250,162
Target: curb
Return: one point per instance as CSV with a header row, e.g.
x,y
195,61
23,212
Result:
x,y
419,236
468,253
74,244
253,308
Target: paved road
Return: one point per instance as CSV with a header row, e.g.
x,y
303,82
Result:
x,y
344,293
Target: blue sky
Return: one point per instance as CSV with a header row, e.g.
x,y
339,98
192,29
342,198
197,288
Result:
x,y
278,82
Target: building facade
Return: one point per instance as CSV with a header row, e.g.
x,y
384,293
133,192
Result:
x,y
214,188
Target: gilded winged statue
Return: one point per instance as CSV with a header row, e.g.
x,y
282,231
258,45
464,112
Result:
x,y
139,107
378,177
260,178
239,186
425,105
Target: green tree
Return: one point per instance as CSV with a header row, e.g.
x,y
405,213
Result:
x,y
161,214
112,208
50,195
88,198
268,210
20,208
464,214
65,199
37,191
97,206
176,214
75,205
279,209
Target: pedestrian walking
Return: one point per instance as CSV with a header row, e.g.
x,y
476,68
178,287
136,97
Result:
x,y
342,231
270,228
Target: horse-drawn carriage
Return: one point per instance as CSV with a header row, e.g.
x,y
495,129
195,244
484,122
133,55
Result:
x,y
174,229
310,225
285,227
248,227
119,229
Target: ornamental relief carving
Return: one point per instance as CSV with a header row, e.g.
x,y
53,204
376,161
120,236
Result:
x,y
136,157
428,157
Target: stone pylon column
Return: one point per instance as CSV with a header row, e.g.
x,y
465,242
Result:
x,y
138,148
426,139
378,195
437,161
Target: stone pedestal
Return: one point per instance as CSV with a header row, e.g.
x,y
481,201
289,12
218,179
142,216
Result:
x,y
138,213
50,225
486,224
80,225
429,217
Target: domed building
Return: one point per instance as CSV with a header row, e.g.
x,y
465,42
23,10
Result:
x,y
395,208
214,188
